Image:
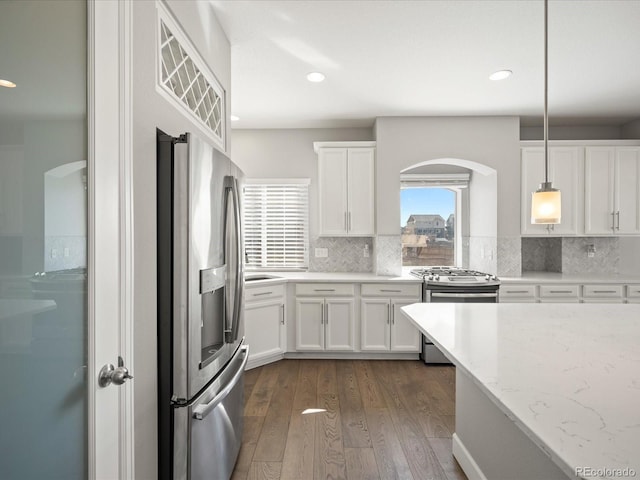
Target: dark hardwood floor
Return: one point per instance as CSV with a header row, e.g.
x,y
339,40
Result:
x,y
384,420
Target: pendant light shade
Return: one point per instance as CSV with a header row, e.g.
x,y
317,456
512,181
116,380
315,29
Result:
x,y
546,205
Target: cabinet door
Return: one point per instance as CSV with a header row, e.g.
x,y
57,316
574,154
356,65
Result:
x,y
375,322
627,188
599,206
404,336
263,328
565,169
332,186
360,174
564,173
309,324
339,324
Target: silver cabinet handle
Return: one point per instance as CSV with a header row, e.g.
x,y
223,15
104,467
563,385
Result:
x,y
392,291
282,311
613,220
618,220
326,315
261,293
560,291
605,291
516,291
349,223
346,225
324,289
388,313
464,295
393,314
202,411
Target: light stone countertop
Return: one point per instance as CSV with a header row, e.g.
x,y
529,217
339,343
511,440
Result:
x,y
332,277
550,277
567,375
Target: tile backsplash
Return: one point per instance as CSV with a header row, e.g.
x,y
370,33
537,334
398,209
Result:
x,y
388,250
570,255
345,254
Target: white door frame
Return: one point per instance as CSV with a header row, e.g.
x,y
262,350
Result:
x,y
110,234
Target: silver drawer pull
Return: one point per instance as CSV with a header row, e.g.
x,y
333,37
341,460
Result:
x,y
393,291
560,291
605,291
262,293
517,291
324,289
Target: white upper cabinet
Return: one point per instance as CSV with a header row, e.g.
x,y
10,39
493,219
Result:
x,y
612,191
565,167
346,185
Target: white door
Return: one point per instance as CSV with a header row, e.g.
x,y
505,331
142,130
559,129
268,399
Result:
x,y
310,315
375,324
332,186
599,208
339,324
360,218
627,189
404,336
63,309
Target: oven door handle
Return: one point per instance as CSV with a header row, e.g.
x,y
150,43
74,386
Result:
x,y
464,295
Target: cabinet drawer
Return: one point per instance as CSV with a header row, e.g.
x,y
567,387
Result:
x,y
391,290
633,291
263,293
555,291
325,289
509,291
600,291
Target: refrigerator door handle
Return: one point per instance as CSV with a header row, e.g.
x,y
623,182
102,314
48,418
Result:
x,y
239,288
201,411
231,190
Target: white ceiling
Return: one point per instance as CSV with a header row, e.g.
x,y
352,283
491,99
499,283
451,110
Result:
x,y
428,57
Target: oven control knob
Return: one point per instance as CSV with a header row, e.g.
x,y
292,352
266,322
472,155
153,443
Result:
x,y
437,277
430,277
487,277
493,277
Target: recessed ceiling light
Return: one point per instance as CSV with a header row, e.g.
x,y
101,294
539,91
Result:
x,y
500,75
315,77
7,83
234,118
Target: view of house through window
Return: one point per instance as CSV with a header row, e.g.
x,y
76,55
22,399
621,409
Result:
x,y
428,226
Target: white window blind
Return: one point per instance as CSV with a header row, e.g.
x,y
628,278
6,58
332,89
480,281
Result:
x,y
276,224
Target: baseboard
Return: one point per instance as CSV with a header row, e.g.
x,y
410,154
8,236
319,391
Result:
x,y
352,356
263,359
466,461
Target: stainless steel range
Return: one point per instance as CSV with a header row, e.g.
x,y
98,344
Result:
x,y
454,285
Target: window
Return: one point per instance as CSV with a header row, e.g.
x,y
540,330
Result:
x,y
276,223
430,216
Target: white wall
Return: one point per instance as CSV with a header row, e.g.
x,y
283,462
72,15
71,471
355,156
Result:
x,y
151,110
584,132
288,153
631,130
406,141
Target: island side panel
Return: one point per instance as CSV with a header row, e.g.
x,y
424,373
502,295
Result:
x,y
488,445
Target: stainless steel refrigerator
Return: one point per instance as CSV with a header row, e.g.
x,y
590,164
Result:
x,y
201,355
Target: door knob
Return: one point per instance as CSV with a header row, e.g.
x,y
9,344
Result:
x,y
116,375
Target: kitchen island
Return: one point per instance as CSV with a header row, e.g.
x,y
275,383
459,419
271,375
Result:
x,y
543,391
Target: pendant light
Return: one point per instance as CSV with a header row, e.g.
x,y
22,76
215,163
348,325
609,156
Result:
x,y
545,202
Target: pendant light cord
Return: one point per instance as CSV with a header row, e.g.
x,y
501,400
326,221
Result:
x,y
546,117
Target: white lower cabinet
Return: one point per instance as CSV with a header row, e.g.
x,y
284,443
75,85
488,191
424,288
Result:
x,y
264,324
324,323
383,327
570,293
